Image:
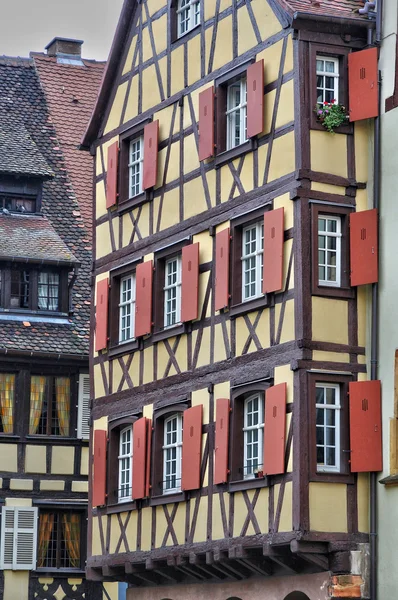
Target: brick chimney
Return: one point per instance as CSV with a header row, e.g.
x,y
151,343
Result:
x,y
65,47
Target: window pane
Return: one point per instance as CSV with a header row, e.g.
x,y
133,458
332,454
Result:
x,y
7,388
329,66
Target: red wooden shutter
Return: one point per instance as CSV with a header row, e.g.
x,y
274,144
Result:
x,y
151,142
111,175
148,457
99,468
143,304
273,250
255,98
363,84
191,448
365,426
206,123
222,269
101,315
190,282
364,247
139,458
222,437
274,430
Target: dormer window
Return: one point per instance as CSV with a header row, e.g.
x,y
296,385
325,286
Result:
x,y
18,203
25,288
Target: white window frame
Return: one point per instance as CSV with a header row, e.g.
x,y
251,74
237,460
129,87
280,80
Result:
x,y
83,410
175,473
18,542
323,73
135,167
172,292
125,465
188,16
322,468
127,306
247,429
257,256
337,236
241,109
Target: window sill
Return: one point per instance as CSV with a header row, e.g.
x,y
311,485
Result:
x,y
124,348
333,292
248,484
333,477
228,155
390,480
243,308
125,205
348,129
173,331
167,499
121,507
62,572
52,439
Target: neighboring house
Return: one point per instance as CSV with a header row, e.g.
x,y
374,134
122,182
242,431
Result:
x,y
388,326
45,260
234,420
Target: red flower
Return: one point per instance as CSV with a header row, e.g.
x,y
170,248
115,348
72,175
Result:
x,y
333,101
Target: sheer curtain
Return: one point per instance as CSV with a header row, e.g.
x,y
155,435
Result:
x,y
48,290
37,389
62,394
7,386
71,531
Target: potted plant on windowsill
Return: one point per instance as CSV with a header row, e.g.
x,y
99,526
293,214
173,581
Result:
x,y
331,115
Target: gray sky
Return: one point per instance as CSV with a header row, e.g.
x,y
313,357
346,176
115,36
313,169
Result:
x,y
27,25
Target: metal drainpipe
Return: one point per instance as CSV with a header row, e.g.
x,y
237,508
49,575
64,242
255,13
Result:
x,y
374,329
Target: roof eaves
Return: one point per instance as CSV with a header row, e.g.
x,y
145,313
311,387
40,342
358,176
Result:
x,y
122,31
331,19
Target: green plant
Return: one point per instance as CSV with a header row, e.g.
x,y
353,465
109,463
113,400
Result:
x,y
331,115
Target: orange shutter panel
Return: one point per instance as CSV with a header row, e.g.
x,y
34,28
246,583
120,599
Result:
x,y
191,448
206,123
151,142
363,84
222,438
101,315
139,458
148,457
222,269
364,247
255,98
365,426
143,304
275,430
190,282
99,468
111,175
273,250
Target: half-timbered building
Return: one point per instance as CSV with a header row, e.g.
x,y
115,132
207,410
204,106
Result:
x,y
45,258
235,421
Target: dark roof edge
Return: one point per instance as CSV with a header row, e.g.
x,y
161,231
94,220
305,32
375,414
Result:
x,y
111,68
349,21
40,261
38,354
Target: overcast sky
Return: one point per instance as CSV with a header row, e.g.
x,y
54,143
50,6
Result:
x,y
27,25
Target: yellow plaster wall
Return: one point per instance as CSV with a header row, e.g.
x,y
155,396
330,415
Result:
x,y
286,518
363,502
202,397
16,585
116,111
328,153
329,320
21,484
95,539
62,460
284,374
217,530
80,486
8,458
52,485
35,459
287,319
330,356
84,461
201,529
327,189
321,497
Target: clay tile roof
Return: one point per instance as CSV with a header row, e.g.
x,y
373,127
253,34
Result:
x,y
32,237
333,8
18,152
71,92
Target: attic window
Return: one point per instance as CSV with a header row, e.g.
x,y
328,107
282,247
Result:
x,y
18,203
69,59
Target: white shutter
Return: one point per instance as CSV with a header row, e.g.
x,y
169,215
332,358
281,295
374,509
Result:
x,y
83,414
18,538
7,538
